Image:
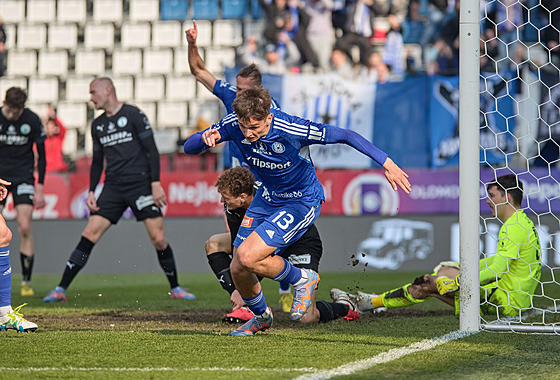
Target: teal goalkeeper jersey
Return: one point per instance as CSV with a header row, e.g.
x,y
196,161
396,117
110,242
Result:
x,y
517,265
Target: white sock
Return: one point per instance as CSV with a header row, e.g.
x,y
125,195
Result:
x,y
5,310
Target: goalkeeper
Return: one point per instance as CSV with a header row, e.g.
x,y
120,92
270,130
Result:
x,y
508,279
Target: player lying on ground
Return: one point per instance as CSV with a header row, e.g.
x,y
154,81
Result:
x,y
237,187
276,146
508,279
9,318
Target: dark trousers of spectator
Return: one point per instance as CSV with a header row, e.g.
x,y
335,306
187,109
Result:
x,y
350,39
2,63
305,49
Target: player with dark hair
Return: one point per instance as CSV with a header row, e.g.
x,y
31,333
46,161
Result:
x,y
276,146
9,318
20,128
122,136
508,279
237,188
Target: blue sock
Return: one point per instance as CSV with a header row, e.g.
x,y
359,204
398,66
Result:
x,y
289,274
256,304
5,277
284,286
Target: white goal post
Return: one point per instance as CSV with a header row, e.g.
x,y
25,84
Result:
x,y
519,62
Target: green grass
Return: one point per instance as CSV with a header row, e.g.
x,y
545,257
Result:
x,y
127,327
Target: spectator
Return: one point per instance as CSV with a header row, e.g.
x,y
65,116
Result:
x,y
436,13
2,48
375,70
394,47
442,59
488,51
55,131
271,63
320,32
341,64
508,17
359,27
413,26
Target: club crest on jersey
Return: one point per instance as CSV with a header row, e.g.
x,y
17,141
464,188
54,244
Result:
x,y
122,121
261,148
247,222
278,147
25,129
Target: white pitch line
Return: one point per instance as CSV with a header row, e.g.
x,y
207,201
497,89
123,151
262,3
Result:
x,y
160,369
394,354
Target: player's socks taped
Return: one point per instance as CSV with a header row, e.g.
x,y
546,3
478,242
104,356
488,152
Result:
x,y
167,263
220,262
26,266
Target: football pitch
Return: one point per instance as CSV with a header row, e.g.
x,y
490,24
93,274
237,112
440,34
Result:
x,y
127,327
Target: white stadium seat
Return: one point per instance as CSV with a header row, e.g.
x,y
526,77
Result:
x,y
171,114
166,140
180,87
43,89
63,36
149,109
127,61
22,62
208,110
7,82
72,114
158,61
72,11
77,88
90,62
202,92
228,33
204,32
12,11
10,30
99,36
135,35
70,143
124,87
108,10
41,11
144,10
149,88
217,58
53,62
31,36
167,34
181,64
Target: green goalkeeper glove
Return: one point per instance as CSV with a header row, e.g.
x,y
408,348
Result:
x,y
445,285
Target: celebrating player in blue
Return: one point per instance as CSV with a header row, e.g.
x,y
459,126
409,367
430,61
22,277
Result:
x,y
276,146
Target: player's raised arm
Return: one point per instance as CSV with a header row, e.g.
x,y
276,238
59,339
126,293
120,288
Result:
x,y
196,64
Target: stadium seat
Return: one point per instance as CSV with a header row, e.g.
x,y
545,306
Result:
x,y
31,36
88,147
22,62
73,114
77,88
254,28
72,11
166,141
127,61
149,88
205,9
143,10
158,61
171,114
217,58
53,62
108,10
234,9
37,107
167,34
99,36
124,87
63,36
89,62
135,34
257,11
180,65
174,10
149,109
70,143
41,11
10,30
204,32
7,82
43,89
208,110
180,87
202,92
228,33
12,11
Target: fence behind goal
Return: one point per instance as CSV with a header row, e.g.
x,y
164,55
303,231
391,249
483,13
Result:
x,y
510,50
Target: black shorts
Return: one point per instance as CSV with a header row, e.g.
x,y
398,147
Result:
x,y
22,192
114,200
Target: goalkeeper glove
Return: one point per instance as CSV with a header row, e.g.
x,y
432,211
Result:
x,y
445,285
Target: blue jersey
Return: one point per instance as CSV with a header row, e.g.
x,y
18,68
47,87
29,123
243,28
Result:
x,y
226,93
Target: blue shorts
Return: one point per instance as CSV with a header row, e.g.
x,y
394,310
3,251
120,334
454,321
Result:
x,y
279,226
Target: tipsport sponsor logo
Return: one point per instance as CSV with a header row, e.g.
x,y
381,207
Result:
x,y
256,162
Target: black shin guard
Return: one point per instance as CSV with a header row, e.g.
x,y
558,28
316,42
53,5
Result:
x,y
167,263
220,262
26,266
76,262
331,310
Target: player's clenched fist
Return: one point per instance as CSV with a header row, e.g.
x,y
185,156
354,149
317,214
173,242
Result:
x,y
210,137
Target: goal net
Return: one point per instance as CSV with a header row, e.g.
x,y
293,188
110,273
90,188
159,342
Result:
x,y
519,71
